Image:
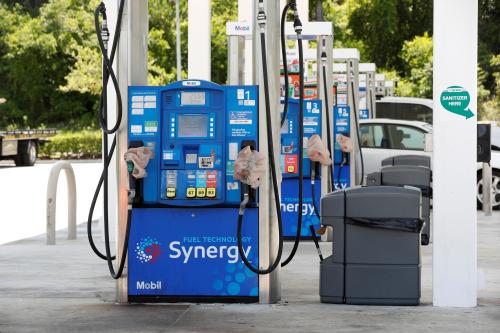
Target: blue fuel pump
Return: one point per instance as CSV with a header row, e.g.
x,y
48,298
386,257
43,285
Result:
x,y
312,121
341,126
182,240
364,113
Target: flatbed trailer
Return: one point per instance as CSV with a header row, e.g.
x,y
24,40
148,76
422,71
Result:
x,y
22,145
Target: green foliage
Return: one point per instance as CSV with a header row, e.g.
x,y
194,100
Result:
x,y
489,107
417,64
50,65
385,25
72,145
222,11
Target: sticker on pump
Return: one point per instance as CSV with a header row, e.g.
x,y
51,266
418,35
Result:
x,y
315,108
240,117
211,184
212,178
311,121
201,179
171,184
240,93
205,162
191,184
233,151
136,129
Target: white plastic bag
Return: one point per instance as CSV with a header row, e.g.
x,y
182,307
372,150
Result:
x,y
140,157
249,167
345,143
317,152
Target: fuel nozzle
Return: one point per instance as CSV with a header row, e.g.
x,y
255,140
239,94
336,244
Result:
x,y
317,152
261,16
297,24
345,143
249,167
104,26
323,51
137,160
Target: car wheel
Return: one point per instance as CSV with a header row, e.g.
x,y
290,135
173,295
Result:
x,y
495,187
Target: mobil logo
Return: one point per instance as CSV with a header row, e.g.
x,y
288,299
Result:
x,y
191,83
244,28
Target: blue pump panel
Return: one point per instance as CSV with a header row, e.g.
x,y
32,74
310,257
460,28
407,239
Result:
x,y
289,167
196,130
189,197
341,125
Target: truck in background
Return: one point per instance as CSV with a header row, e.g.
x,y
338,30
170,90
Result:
x,y
21,146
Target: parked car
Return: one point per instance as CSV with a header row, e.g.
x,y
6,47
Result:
x,y
382,138
405,108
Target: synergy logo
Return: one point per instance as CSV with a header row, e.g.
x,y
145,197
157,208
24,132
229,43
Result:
x,y
148,250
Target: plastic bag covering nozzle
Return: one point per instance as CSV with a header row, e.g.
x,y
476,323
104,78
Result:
x,y
249,167
140,158
345,143
317,152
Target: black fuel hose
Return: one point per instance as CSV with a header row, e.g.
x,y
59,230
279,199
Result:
x,y
102,37
313,188
341,166
284,59
301,153
261,18
270,147
356,116
328,126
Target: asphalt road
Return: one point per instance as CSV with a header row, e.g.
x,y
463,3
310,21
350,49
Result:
x,y
23,197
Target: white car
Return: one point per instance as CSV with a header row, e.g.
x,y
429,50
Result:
x,y
382,138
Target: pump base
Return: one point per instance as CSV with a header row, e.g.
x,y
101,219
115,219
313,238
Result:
x,y
192,299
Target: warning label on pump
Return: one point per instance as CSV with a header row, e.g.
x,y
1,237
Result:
x,y
240,118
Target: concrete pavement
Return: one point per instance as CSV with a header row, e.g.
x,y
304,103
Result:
x,y
65,288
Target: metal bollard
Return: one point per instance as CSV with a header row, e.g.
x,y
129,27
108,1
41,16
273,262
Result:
x,y
52,197
487,189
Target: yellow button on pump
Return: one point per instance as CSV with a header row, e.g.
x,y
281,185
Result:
x,y
211,192
190,192
171,192
200,192
291,169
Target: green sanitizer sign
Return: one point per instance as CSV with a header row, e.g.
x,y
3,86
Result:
x,y
456,99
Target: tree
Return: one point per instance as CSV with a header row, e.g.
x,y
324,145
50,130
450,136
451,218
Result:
x,y
384,26
417,61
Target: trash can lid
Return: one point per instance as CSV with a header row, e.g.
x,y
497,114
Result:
x,y
373,202
422,160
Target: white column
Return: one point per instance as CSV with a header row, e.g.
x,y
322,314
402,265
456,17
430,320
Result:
x,y
245,14
454,165
199,39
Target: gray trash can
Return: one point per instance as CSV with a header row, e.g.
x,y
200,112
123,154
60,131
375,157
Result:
x,y
376,246
416,176
421,160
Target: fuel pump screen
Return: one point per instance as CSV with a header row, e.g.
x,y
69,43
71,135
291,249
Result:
x,y
193,126
193,98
